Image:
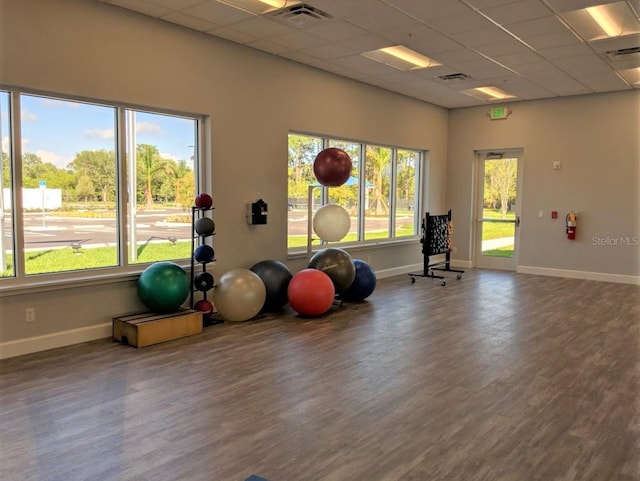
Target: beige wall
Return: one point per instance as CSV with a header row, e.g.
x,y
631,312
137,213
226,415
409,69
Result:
x,y
89,49
597,140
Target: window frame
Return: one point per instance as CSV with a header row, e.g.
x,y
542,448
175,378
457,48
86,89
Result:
x,y
22,283
361,242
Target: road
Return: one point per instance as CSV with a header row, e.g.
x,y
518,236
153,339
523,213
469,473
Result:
x,y
49,231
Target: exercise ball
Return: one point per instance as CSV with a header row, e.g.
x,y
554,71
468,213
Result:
x,y
203,281
239,295
311,292
163,286
205,226
331,222
203,201
364,283
204,306
337,264
204,254
276,277
332,167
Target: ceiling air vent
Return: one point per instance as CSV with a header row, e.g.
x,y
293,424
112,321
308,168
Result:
x,y
624,53
299,15
453,76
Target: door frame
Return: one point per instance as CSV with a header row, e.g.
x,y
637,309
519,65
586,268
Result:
x,y
490,262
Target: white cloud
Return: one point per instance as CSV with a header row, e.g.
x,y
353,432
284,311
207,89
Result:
x,y
60,103
148,128
6,146
166,155
53,158
106,134
28,116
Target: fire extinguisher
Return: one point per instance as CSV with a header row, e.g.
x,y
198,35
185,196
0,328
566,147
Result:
x,y
571,225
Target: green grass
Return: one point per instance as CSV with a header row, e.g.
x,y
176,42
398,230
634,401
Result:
x,y
501,252
59,260
294,241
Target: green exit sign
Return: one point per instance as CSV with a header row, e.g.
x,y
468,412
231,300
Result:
x,y
498,113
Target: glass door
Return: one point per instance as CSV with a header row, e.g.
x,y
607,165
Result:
x,y
498,210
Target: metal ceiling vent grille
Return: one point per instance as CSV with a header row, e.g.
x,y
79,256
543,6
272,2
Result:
x,y
453,76
624,53
300,15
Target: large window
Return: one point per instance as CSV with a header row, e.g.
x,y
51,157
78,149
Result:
x,y
88,186
381,196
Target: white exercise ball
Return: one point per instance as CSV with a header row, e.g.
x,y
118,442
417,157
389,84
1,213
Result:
x,y
331,222
239,295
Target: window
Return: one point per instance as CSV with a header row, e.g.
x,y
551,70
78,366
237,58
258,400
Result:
x,y
100,186
381,196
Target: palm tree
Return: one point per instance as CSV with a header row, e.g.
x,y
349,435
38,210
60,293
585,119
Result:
x,y
149,163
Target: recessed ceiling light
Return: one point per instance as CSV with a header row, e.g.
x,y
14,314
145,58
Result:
x,y
401,57
631,75
604,21
255,7
490,93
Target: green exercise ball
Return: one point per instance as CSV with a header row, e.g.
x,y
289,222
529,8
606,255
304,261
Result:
x,y
163,286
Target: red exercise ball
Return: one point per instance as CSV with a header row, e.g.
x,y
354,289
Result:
x,y
311,292
332,167
203,201
204,306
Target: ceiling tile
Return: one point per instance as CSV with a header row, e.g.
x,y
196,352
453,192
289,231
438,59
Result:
x,y
511,46
517,11
421,38
379,19
329,51
260,27
216,12
176,4
517,59
364,65
426,11
297,39
608,82
565,51
142,6
463,22
336,30
229,33
365,43
476,38
557,39
189,21
267,46
566,5
537,26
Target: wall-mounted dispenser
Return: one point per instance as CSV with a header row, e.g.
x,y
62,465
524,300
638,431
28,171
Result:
x,y
257,212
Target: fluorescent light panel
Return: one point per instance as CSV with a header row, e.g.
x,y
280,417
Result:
x,y
255,7
489,93
604,21
631,75
401,57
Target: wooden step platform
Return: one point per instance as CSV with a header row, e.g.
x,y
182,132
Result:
x,y
144,329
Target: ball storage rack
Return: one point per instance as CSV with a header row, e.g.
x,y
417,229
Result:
x,y
436,240
208,319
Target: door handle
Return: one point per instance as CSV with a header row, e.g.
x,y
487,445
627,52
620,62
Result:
x,y
517,221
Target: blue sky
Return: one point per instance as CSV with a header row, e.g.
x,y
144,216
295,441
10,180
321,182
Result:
x,y
56,130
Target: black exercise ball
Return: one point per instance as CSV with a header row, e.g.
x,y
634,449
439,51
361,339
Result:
x,y
337,264
276,277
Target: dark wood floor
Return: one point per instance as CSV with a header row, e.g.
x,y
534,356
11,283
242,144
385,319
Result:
x,y
498,376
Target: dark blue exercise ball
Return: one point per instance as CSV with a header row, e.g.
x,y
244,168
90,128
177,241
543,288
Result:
x,y
276,277
364,283
204,254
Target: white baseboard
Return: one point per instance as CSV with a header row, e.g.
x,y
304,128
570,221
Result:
x,y
591,276
55,340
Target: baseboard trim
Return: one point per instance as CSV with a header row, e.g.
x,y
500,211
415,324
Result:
x,y
590,276
54,340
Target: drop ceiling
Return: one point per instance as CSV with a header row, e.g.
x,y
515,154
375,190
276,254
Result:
x,y
532,49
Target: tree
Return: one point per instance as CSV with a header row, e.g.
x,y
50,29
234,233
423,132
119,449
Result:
x,y
302,153
150,165
500,183
100,167
85,190
377,172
